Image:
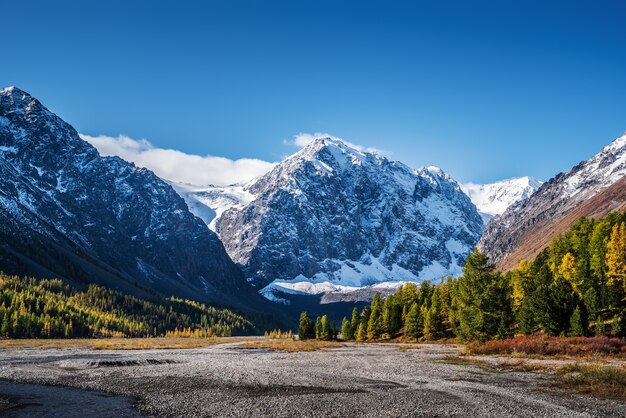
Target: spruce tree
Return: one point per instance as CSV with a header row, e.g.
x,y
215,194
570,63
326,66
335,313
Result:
x,y
576,328
5,330
414,326
484,299
354,323
375,324
432,322
346,329
361,332
306,330
616,259
318,328
326,333
392,315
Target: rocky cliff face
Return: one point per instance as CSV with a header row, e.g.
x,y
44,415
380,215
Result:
x,y
68,212
520,230
331,216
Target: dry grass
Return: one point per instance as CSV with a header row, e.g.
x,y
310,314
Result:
x,y
119,343
464,361
505,366
289,346
541,346
408,347
520,366
596,379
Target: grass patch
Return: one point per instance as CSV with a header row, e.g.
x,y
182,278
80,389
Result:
x,y
463,361
408,347
518,366
289,346
596,379
118,343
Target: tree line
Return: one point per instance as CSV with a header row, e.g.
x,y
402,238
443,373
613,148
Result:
x,y
575,287
32,308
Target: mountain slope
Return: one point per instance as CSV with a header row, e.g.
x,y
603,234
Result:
x,y
331,216
68,212
592,188
495,198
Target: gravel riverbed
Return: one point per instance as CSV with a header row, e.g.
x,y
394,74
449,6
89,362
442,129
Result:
x,y
365,380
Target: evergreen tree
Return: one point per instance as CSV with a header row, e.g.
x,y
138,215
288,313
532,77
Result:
x,y
616,258
432,322
576,324
354,323
5,330
414,327
361,333
346,329
318,328
484,299
375,323
392,315
306,330
326,332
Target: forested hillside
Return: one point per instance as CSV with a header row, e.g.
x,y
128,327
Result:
x,y
31,308
575,287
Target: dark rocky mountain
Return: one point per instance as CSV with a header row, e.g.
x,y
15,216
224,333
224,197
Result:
x,y
332,217
592,188
68,212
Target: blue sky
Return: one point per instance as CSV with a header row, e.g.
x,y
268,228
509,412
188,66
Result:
x,y
485,90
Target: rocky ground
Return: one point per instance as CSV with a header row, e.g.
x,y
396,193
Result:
x,y
370,380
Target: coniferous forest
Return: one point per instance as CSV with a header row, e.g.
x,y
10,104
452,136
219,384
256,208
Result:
x,y
31,308
575,287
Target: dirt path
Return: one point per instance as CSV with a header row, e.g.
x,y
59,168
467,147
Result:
x,y
373,380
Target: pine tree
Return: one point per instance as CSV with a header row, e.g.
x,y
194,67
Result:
x,y
432,322
346,329
375,324
484,299
616,258
414,327
326,332
392,315
306,330
5,330
576,328
318,328
361,332
354,323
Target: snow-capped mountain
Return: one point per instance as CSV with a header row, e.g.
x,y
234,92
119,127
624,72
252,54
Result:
x,y
331,217
527,227
209,202
494,198
68,212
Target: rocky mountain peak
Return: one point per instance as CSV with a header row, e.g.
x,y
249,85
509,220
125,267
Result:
x,y
67,212
333,215
559,201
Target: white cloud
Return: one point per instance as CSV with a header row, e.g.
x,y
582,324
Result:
x,y
178,166
303,139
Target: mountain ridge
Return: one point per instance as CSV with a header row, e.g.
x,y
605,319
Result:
x,y
70,213
331,215
550,208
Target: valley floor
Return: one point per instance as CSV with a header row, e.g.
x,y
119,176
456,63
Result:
x,y
372,380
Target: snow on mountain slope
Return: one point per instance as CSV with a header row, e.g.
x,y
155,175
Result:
x,y
332,216
494,198
553,203
209,202
67,212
